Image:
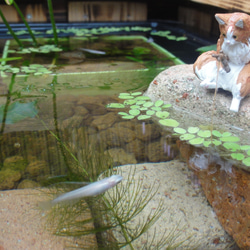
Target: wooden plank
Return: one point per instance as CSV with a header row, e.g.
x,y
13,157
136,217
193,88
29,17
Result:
x,y
242,5
98,11
35,13
10,13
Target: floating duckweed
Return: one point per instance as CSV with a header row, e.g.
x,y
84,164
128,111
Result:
x,y
139,102
232,146
193,130
226,134
134,112
148,104
126,97
143,108
143,117
136,93
162,114
237,156
187,137
166,106
230,139
122,113
207,143
245,147
128,117
246,161
196,141
156,108
216,133
142,98
158,103
180,130
135,107
248,152
169,123
129,102
150,112
216,142
204,133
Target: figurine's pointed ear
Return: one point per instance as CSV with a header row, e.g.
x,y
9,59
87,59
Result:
x,y
240,24
219,20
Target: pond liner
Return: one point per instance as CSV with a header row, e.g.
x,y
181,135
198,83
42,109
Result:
x,y
186,50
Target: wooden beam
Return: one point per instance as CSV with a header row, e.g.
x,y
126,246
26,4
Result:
x,y
240,5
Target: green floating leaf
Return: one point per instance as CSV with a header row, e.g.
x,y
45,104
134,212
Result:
x,y
143,108
136,93
115,105
134,112
245,147
129,102
180,130
166,106
128,117
207,143
134,107
124,94
230,139
158,103
169,123
150,112
193,130
187,137
231,146
246,161
248,152
196,141
156,108
139,102
216,142
162,114
122,113
225,134
142,98
237,156
148,104
125,97
143,117
204,133
216,133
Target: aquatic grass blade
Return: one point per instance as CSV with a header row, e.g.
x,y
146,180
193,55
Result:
x,y
52,20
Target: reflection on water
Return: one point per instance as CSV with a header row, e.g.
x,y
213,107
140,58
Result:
x,y
73,99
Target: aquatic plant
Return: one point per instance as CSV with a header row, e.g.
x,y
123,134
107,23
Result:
x,y
10,2
142,108
112,213
52,20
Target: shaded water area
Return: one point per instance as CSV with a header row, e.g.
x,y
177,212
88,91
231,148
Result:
x,y
47,115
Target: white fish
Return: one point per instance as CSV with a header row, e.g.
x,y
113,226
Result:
x,y
92,189
92,51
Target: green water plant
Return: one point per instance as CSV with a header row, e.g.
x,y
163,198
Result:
x,y
12,2
141,107
111,214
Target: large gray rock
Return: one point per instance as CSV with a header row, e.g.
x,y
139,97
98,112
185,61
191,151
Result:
x,y
194,105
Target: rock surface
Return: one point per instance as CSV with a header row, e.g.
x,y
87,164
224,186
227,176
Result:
x,y
226,186
179,86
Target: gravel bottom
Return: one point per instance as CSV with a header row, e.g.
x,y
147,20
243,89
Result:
x,y
22,223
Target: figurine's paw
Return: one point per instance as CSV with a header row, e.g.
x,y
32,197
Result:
x,y
208,84
235,104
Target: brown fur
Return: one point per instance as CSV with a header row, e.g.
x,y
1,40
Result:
x,y
244,79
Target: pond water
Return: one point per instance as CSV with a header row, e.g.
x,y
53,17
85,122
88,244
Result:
x,y
52,112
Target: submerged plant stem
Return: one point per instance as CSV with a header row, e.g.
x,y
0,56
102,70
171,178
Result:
x,y
10,30
25,22
52,20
